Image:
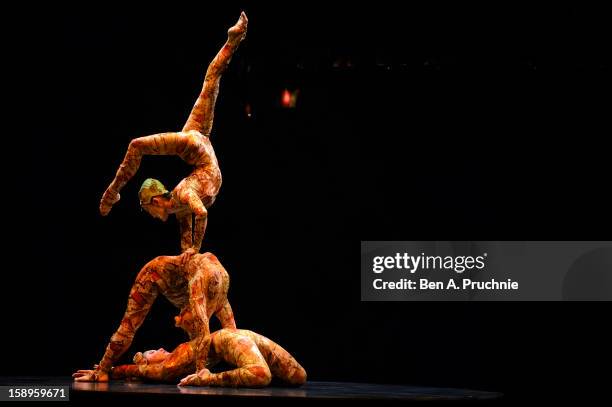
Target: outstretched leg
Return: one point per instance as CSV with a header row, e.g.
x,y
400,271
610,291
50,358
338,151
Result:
x,y
201,117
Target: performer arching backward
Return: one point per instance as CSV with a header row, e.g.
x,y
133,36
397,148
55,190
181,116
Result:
x,y
195,283
257,360
197,192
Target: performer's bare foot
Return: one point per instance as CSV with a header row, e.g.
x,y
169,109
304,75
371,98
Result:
x,y
109,198
237,33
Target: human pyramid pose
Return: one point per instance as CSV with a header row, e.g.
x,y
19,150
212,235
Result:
x,y
197,284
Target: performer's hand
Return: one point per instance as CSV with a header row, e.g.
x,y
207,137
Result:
x,y
196,379
94,375
187,255
109,198
190,252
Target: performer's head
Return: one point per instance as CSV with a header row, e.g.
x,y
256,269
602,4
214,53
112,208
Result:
x,y
151,356
155,198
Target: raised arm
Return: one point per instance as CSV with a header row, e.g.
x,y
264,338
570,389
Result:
x,y
159,144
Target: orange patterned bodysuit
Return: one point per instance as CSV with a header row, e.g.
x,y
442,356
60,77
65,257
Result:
x,y
195,193
197,284
257,360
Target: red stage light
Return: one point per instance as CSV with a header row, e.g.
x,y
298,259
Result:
x,y
286,99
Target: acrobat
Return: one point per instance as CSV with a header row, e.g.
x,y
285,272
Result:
x,y
257,360
197,284
197,192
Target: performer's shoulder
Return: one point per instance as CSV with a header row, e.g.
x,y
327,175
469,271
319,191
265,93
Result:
x,y
210,256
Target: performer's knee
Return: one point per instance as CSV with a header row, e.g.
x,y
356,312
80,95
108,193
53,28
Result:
x,y
260,375
135,144
298,377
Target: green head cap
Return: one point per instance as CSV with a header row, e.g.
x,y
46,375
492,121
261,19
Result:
x,y
149,189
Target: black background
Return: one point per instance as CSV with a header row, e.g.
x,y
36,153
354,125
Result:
x,y
427,122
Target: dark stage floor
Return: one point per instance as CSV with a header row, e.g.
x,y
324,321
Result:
x,y
311,392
